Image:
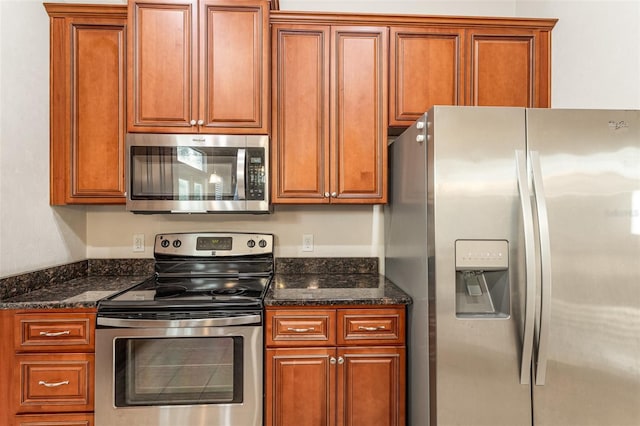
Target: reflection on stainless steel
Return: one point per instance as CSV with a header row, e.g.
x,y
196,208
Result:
x,y
569,210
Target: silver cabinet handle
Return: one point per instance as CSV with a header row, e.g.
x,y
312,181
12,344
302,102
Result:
x,y
300,330
334,194
332,361
200,122
54,334
376,328
192,122
52,385
327,195
530,266
545,261
340,360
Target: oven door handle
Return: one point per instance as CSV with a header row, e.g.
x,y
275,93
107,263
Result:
x,y
198,322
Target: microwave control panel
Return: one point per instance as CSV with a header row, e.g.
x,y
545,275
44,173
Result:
x,y
255,174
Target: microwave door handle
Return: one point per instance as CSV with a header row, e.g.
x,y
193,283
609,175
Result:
x,y
545,261
240,174
530,264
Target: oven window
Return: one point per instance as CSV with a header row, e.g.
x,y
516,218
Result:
x,y
178,371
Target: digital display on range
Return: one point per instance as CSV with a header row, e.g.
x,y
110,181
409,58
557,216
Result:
x,y
213,243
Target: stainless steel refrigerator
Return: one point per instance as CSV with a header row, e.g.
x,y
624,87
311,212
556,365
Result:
x,y
517,233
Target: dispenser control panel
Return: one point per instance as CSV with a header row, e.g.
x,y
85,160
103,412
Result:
x,y
482,255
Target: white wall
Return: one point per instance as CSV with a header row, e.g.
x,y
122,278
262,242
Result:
x,y
32,234
595,52
595,63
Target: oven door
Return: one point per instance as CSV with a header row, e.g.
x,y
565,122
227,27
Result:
x,y
164,374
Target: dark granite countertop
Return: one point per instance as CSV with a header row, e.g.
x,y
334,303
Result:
x,y
75,285
333,290
84,292
297,282
332,282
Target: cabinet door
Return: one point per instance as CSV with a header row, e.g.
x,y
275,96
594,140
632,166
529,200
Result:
x,y
162,71
506,68
426,70
300,131
233,66
300,387
371,386
359,114
87,105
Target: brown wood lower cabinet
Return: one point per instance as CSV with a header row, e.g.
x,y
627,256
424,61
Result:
x,y
361,383
48,367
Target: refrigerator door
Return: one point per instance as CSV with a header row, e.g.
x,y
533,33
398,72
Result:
x,y
589,162
406,256
476,267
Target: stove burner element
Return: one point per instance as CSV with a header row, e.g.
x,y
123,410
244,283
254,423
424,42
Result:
x,y
228,291
170,291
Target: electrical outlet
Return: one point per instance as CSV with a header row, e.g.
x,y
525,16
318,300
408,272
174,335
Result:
x,y
138,242
307,242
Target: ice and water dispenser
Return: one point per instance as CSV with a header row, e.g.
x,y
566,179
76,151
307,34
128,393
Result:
x,y
482,279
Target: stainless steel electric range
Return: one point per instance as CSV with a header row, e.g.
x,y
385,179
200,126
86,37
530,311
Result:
x,y
185,347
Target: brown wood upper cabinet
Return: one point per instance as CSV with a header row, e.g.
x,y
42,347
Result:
x,y
198,66
87,103
467,61
329,113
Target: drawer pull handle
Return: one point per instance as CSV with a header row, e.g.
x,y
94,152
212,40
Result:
x,y
376,328
54,334
300,330
53,385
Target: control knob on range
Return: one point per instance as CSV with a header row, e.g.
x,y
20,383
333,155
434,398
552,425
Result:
x,y
165,243
177,243
262,243
251,243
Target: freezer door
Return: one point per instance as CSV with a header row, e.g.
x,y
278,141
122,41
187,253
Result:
x,y
476,300
406,256
589,162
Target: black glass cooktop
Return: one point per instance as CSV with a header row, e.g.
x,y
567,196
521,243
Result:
x,y
211,292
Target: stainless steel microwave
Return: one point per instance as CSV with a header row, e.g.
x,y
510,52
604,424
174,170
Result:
x,y
170,173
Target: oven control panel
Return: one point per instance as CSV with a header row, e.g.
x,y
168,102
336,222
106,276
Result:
x,y
213,244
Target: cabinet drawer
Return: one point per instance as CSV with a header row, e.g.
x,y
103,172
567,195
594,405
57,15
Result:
x,y
51,332
371,326
301,328
54,420
54,382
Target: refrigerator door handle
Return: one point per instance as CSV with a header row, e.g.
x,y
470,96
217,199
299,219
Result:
x,y
545,262
530,266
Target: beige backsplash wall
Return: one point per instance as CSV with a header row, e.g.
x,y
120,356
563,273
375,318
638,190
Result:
x,y
340,231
